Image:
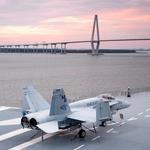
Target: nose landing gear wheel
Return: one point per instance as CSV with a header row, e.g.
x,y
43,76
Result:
x,y
82,133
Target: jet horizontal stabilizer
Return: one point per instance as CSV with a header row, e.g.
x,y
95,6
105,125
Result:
x,y
49,127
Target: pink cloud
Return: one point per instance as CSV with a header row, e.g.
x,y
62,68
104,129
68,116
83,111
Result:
x,y
124,22
47,23
3,2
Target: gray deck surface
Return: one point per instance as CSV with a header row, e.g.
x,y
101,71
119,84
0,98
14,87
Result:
x,y
134,133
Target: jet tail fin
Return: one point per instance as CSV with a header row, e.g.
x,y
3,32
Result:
x,y
59,103
33,101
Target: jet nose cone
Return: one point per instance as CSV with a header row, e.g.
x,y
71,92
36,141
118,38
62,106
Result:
x,y
126,104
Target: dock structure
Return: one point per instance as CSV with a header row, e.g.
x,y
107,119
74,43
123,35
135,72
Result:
x,y
61,47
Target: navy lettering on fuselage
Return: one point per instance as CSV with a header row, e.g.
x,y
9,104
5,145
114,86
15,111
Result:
x,y
91,103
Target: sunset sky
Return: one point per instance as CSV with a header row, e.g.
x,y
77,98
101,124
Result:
x,y
32,21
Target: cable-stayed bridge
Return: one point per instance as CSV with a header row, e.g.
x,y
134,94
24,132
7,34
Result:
x,y
61,47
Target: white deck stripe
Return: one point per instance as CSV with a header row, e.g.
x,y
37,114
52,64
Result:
x,y
13,133
115,132
108,131
122,123
139,114
9,122
146,116
147,109
4,108
92,128
31,142
113,123
95,138
79,147
132,118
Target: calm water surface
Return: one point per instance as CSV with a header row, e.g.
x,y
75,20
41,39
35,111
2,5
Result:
x,y
80,75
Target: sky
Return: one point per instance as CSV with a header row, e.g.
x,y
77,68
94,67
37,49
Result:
x,y
33,21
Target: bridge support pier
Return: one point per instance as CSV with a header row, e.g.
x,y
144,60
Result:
x,y
26,48
35,48
45,48
63,48
9,47
1,48
16,47
53,48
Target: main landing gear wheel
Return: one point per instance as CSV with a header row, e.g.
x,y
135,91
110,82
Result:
x,y
103,124
82,133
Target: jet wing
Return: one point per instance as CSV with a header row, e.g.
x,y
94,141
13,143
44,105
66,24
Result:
x,y
84,114
113,103
49,127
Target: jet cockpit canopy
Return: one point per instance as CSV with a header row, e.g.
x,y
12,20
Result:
x,y
107,97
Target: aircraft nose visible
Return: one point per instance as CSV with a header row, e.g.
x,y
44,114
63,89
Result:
x,y
126,104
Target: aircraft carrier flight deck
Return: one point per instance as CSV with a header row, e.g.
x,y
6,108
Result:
x,y
132,132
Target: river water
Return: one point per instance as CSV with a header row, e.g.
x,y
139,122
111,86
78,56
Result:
x,y
81,75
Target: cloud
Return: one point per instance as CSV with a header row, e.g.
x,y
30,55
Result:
x,y
3,2
33,11
68,19
72,19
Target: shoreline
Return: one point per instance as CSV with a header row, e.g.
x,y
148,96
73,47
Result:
x,y
41,50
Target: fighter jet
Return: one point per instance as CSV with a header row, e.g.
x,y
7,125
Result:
x,y
60,114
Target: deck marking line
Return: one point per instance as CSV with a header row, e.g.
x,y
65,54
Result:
x,y
147,109
132,118
108,131
29,143
79,147
146,116
4,108
93,128
113,123
9,122
95,138
122,123
13,133
114,132
139,114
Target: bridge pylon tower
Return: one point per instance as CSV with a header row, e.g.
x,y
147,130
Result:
x,y
95,38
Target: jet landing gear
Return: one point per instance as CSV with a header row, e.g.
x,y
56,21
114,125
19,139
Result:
x,y
103,124
82,133
36,134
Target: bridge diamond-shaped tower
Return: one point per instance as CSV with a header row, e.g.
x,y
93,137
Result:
x,y
95,39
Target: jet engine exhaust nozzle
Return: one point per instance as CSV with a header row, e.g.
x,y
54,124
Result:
x,y
24,122
33,123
